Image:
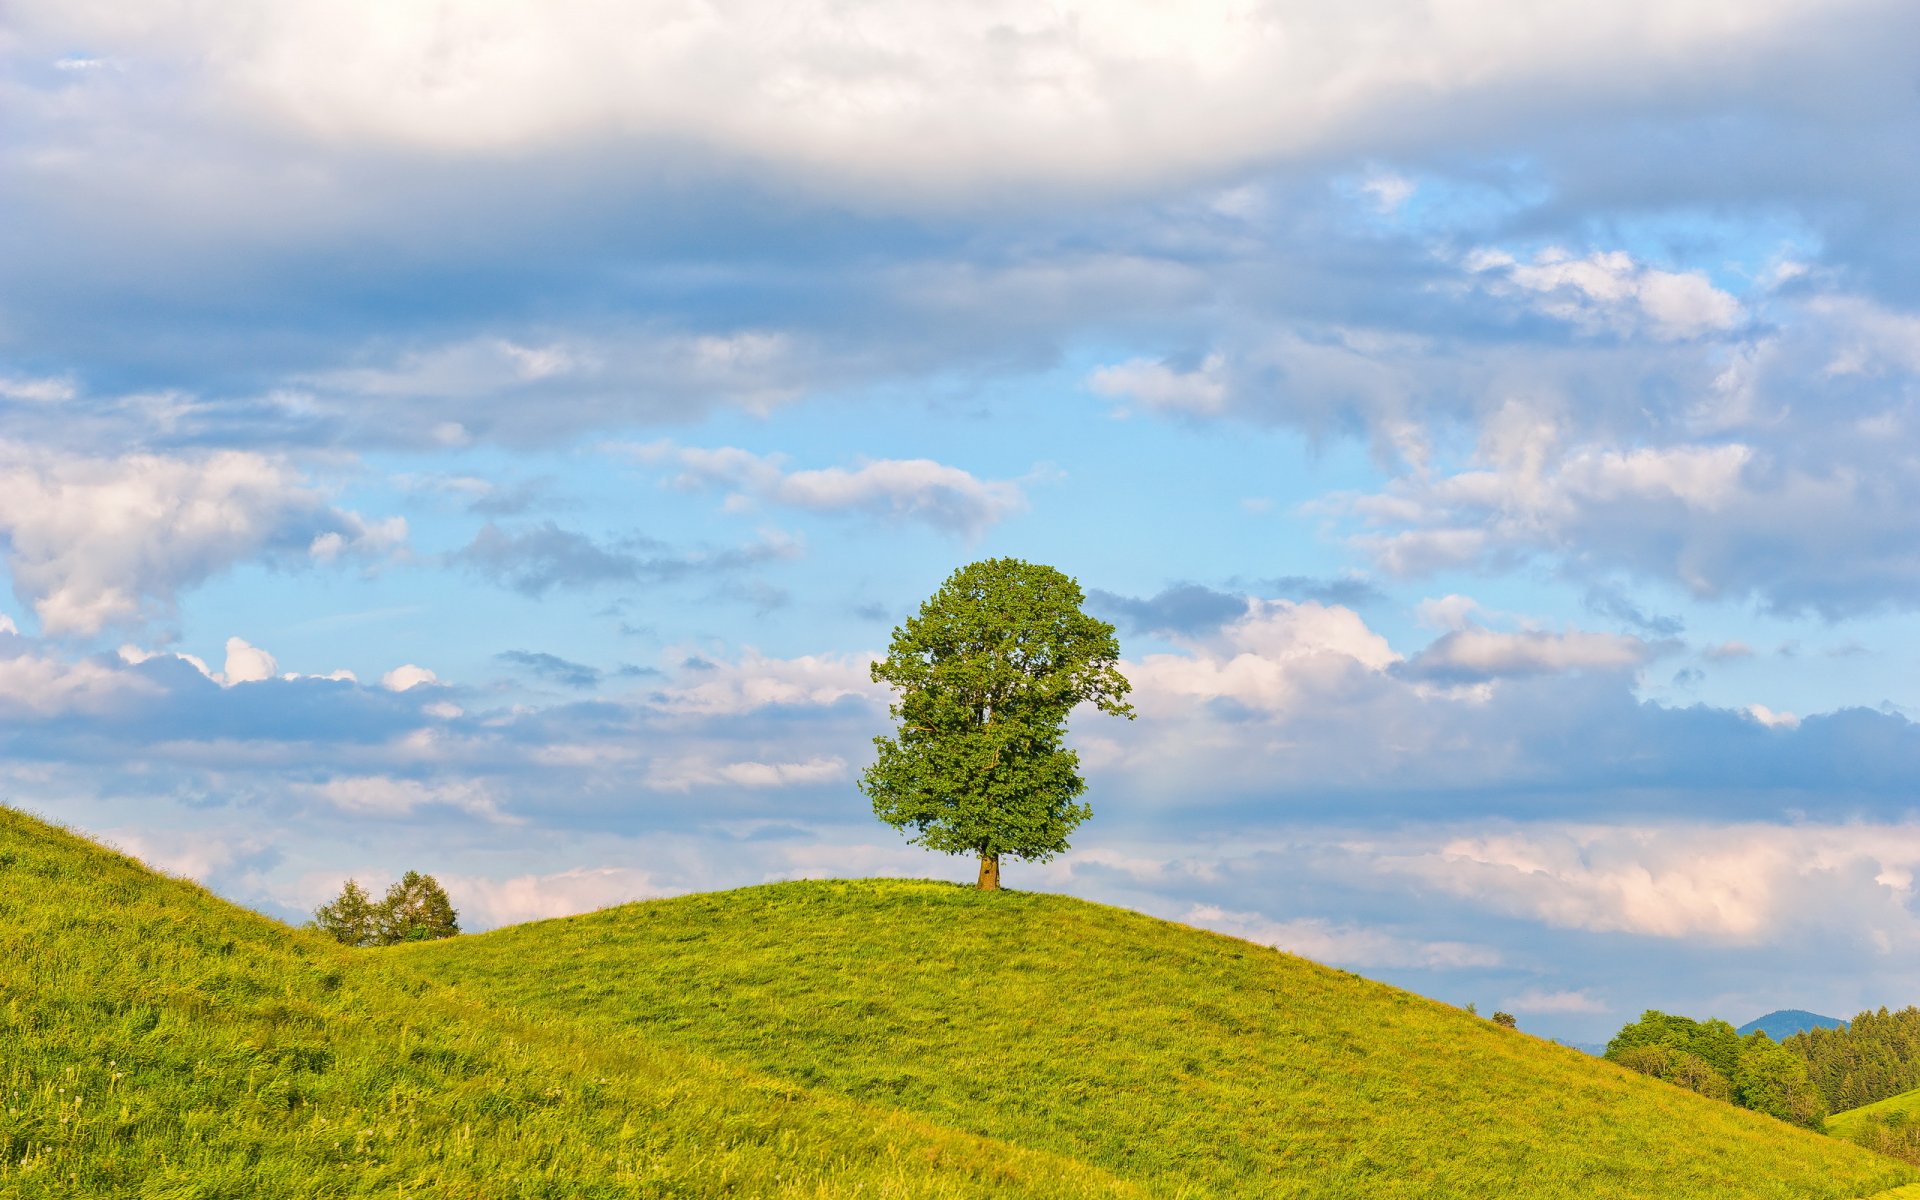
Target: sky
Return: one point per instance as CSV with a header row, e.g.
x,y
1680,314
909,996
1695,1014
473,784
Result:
x,y
494,440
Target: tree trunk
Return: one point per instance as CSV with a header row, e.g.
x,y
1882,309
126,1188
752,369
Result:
x,y
989,872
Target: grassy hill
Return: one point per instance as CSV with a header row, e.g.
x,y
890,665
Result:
x,y
803,1040
157,1041
1890,1126
1845,1123
1188,1063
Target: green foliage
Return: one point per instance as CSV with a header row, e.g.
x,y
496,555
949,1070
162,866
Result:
x,y
1890,1126
1714,1041
987,672
1895,1133
156,1041
1710,1058
1773,1080
1875,1057
1505,1020
351,919
415,910
1191,1065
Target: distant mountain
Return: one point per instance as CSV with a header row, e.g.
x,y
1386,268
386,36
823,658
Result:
x,y
1786,1022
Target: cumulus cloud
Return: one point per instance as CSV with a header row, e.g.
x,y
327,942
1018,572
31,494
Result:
x,y
1612,292
490,903
1736,884
919,95
1468,655
1158,387
41,685
913,489
501,389
755,681
1343,944
685,775
407,677
390,797
1277,655
97,542
247,663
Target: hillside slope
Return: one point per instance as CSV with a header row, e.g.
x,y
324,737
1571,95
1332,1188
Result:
x,y
157,1041
1190,1063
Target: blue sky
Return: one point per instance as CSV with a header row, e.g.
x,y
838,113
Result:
x,y
493,441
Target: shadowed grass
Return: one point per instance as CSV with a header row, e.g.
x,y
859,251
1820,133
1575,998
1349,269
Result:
x,y
159,1042
1187,1062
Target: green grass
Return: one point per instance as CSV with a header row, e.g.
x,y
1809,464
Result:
x,y
872,1039
1188,1063
1890,1126
156,1041
1842,1124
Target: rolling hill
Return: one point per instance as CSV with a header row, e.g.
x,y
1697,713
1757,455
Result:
x,y
879,1039
1185,1062
157,1041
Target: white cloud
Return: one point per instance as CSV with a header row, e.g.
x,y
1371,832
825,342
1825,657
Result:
x,y
1388,190
1734,883
95,542
34,685
1275,656
42,390
248,664
684,775
406,677
385,796
1343,944
1610,291
1452,612
7,626
1160,388
916,489
358,536
1488,653
1772,719
1539,1000
915,94
491,903
755,681
194,855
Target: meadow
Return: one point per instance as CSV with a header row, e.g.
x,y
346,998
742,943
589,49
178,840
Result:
x,y
157,1041
1189,1063
872,1038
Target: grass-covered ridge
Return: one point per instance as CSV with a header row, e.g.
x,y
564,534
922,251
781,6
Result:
x,y
156,1041
1188,1063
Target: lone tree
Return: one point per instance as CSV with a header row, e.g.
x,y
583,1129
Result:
x,y
987,673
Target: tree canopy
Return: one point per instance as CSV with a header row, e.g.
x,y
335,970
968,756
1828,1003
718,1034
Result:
x,y
415,909
1711,1058
987,672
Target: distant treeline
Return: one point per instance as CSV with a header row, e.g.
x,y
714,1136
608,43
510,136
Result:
x,y
1709,1057
1877,1055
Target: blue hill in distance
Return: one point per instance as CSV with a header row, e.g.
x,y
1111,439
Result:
x,y
1784,1023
